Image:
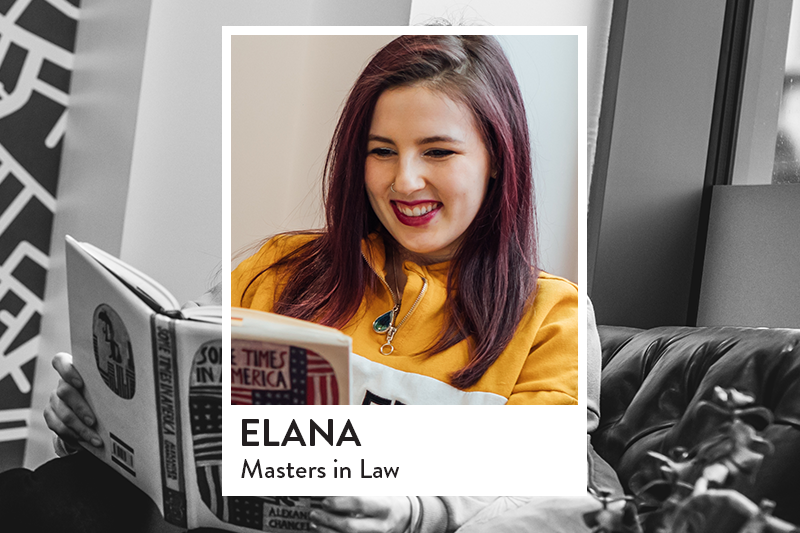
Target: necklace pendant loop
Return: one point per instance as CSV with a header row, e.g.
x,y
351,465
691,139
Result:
x,y
387,348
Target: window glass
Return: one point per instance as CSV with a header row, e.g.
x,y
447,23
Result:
x,y
786,168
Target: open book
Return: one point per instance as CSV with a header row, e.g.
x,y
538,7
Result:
x,y
281,360
153,376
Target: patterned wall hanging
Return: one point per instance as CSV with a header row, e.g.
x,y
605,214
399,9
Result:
x,y
37,39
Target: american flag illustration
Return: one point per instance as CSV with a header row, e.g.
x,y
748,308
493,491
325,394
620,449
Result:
x,y
313,382
205,407
273,514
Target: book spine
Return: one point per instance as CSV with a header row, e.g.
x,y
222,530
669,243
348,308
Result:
x,y
165,359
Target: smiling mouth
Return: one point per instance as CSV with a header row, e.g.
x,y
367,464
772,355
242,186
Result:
x,y
418,214
417,210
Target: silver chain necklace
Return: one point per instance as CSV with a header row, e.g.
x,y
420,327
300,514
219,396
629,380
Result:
x,y
386,322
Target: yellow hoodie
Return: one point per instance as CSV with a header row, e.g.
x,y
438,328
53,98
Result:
x,y
539,365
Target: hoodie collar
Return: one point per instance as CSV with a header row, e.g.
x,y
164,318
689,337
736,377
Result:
x,y
374,251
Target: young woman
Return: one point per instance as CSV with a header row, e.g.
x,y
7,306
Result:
x,y
428,258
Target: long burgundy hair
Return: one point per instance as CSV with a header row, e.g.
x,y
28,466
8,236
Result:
x,y
495,267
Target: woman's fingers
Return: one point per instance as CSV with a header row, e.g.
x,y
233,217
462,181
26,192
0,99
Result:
x,y
328,522
375,506
74,401
69,416
62,362
323,529
362,514
58,427
350,505
70,388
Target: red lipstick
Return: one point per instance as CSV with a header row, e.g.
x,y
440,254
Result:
x,y
411,220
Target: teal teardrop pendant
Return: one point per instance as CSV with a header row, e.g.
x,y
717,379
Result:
x,y
382,323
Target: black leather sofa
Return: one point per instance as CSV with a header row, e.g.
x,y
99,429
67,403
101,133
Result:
x,y
654,380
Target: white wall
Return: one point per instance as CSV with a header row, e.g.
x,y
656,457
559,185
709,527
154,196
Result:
x,y
545,68
286,94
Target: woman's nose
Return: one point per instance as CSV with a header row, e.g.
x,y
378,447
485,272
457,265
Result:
x,y
410,177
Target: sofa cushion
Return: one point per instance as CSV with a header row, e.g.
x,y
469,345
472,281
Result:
x,y
653,381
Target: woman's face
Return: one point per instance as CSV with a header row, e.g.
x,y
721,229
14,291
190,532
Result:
x,y
427,145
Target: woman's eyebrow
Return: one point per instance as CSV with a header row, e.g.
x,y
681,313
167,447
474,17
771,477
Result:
x,y
423,140
439,139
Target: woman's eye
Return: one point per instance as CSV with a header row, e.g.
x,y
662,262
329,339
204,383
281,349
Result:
x,y
439,153
382,152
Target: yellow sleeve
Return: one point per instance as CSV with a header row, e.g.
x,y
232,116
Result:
x,y
550,373
253,284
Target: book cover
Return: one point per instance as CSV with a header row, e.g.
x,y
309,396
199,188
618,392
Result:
x,y
153,376
126,352
277,360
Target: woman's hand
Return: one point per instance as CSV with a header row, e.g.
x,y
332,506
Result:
x,y
363,514
67,414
